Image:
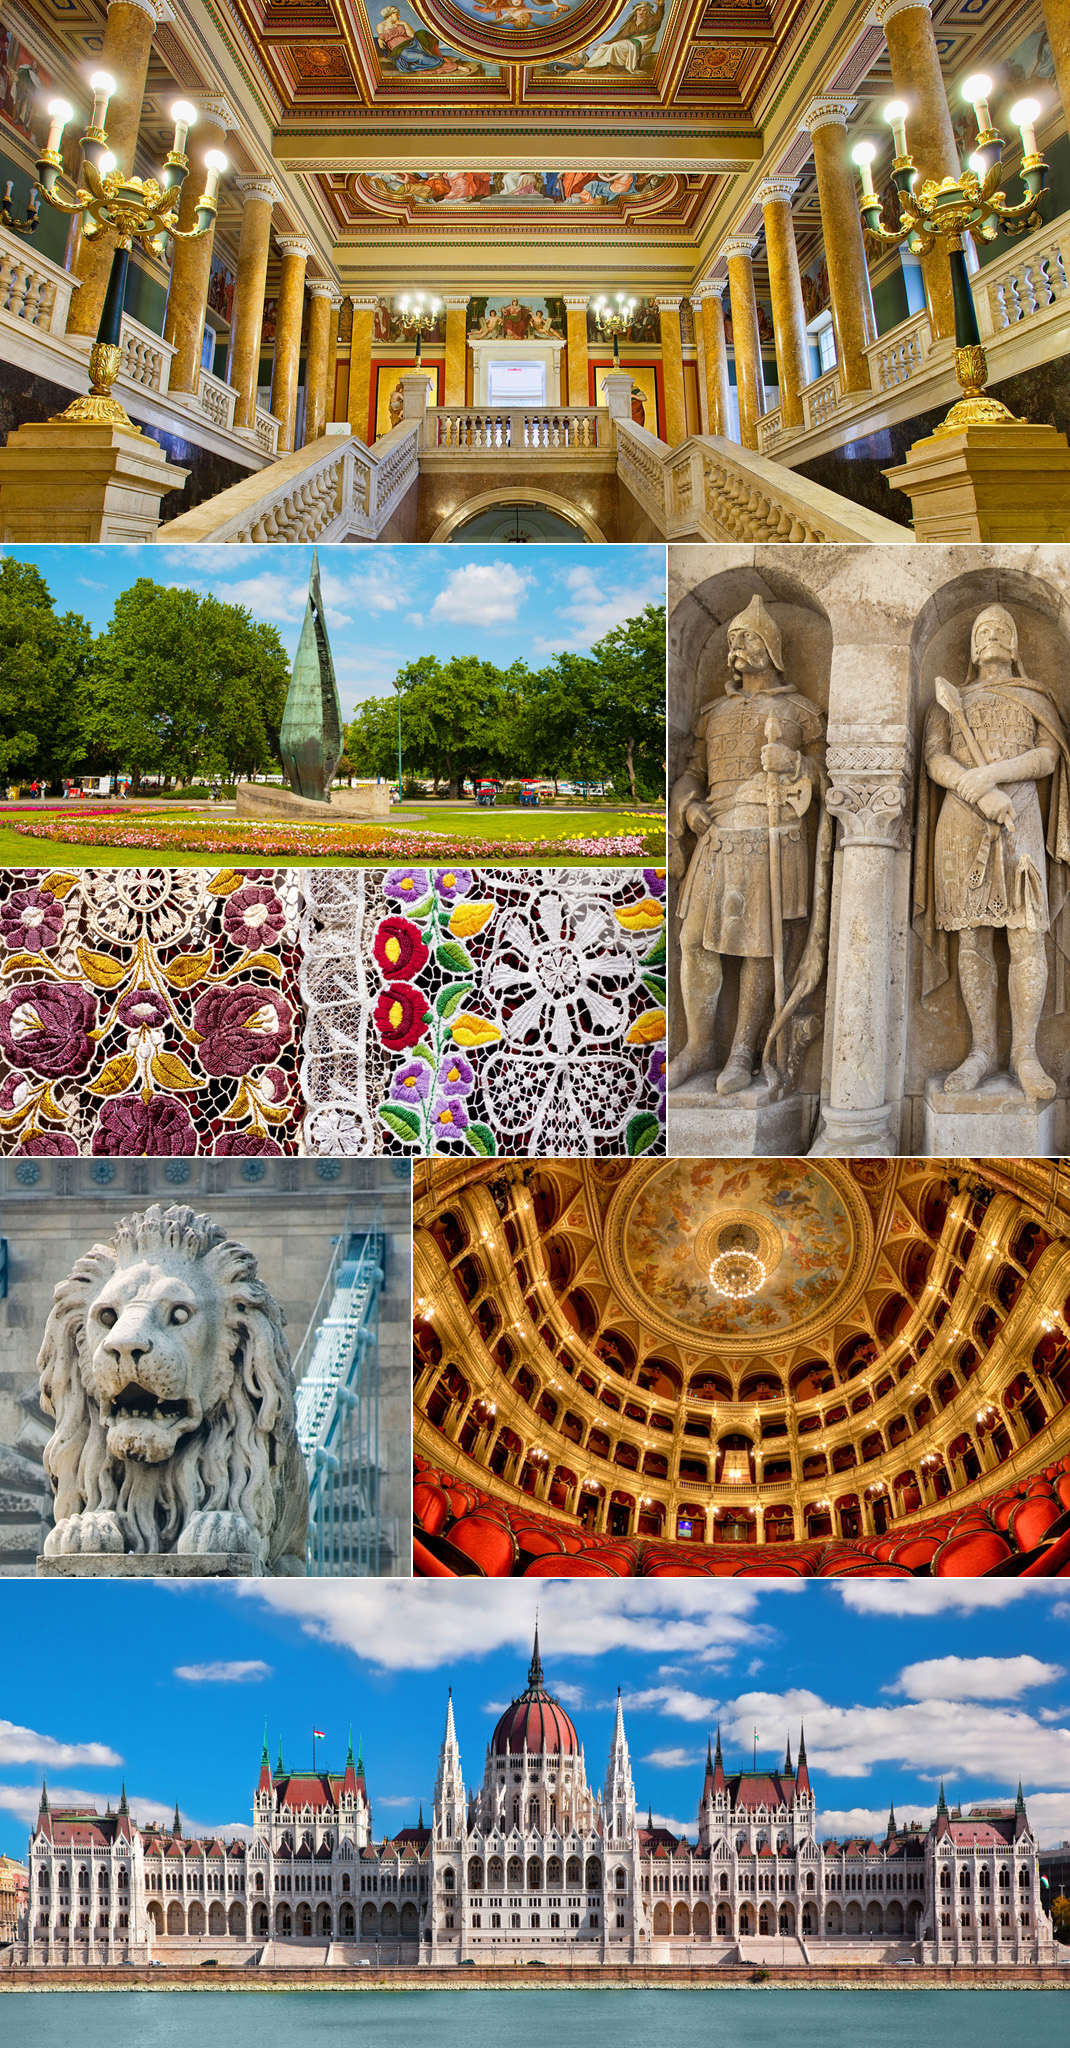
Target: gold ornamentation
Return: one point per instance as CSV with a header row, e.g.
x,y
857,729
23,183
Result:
x,y
976,408
99,408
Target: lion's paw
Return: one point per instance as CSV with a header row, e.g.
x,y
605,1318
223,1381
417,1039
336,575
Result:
x,y
85,1535
215,1529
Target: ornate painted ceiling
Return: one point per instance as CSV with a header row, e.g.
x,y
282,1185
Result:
x,y
429,141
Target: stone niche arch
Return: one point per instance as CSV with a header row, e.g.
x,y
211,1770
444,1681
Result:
x,y
937,1030
697,671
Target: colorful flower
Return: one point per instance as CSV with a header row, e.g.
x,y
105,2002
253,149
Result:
x,y
400,1015
50,1145
647,1028
241,1028
243,1145
275,1084
399,948
453,882
30,920
656,1070
47,1028
409,885
640,917
468,1029
254,917
129,1127
655,880
412,1082
449,1114
142,1010
469,918
455,1076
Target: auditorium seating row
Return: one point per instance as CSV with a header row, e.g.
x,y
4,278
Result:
x,y
460,1531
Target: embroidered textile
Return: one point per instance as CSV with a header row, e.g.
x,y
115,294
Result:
x,y
149,1011
494,1011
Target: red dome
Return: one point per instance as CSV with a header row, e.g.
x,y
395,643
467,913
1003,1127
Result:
x,y
535,1721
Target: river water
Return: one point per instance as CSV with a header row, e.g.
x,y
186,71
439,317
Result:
x,y
756,2017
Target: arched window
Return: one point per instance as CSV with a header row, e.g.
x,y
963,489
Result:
x,y
534,1874
574,1873
620,1880
594,1874
516,1873
449,1880
495,1874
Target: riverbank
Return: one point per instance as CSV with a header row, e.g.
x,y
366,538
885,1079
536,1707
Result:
x,y
731,1977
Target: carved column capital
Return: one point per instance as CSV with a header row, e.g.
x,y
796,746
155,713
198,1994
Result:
x,y
869,785
829,111
739,245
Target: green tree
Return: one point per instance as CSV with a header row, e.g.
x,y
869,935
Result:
x,y
1060,1917
185,685
454,718
44,662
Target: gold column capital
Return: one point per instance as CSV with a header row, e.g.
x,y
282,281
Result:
x,y
294,245
322,288
710,288
577,302
211,106
459,302
669,304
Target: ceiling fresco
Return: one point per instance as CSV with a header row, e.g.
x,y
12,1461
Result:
x,y
631,192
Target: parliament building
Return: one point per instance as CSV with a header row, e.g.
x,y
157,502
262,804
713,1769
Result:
x,y
534,1864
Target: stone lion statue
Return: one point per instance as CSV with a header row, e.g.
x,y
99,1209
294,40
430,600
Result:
x,y
165,1366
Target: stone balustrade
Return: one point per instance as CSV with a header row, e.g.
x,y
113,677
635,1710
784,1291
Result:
x,y
711,489
266,430
517,430
145,357
216,399
33,291
334,490
900,354
1027,284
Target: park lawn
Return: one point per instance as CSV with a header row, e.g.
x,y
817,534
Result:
x,y
22,850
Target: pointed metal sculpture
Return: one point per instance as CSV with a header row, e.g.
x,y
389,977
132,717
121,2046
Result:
x,y
311,737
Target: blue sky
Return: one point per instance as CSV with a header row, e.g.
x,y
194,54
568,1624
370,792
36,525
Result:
x,y
386,606
899,1683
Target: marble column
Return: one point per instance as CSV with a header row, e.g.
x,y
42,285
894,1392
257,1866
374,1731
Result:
x,y
258,196
191,262
700,364
672,371
1057,22
850,296
288,319
708,302
746,346
124,54
579,385
917,79
360,365
785,285
456,305
321,294
337,302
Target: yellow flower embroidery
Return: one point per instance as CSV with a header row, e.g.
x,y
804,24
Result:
x,y
469,918
397,1013
392,949
640,917
647,1028
471,1030
445,1115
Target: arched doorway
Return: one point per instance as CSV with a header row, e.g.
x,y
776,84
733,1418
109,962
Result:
x,y
518,514
196,1917
661,1918
284,1924
176,1919
304,1922
369,1922
236,1919
680,1918
217,1919
700,1918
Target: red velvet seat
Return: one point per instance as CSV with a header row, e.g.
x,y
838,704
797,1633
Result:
x,y
589,1566
431,1505
969,1553
915,1551
488,1540
1032,1518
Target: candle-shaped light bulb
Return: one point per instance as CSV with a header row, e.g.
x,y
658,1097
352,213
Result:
x,y
103,87
895,113
976,91
183,116
59,114
217,164
976,164
863,154
1024,115
105,162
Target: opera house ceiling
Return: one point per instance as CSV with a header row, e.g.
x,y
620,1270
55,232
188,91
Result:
x,y
680,1364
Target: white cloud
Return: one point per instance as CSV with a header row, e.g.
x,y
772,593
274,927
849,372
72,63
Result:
x,y
935,1737
921,1598
672,1699
675,1827
974,1678
398,1799
405,1625
595,606
241,1673
673,1759
24,1802
482,594
25,1746
1049,1817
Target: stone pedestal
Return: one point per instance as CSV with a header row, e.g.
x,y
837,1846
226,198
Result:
x,y
70,480
995,483
151,1564
617,386
267,800
705,1125
994,1121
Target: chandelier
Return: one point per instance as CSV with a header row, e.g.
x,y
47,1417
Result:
x,y
737,1270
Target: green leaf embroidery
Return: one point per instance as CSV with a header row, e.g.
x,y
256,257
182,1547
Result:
x,y
482,1141
657,951
403,1122
656,985
423,1052
419,909
451,997
643,1129
454,956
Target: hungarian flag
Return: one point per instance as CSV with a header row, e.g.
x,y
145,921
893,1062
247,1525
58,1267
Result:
x,y
318,1735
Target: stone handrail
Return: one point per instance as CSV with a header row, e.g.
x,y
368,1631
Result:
x,y
266,430
32,289
900,354
217,399
332,490
711,489
516,430
1031,281
146,357
821,398
770,431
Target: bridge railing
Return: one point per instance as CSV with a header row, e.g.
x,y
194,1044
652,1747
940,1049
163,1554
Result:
x,y
337,1373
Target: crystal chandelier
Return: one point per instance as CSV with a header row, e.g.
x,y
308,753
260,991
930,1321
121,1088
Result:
x,y
737,1270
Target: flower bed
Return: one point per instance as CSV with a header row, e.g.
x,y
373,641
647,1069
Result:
x,y
271,839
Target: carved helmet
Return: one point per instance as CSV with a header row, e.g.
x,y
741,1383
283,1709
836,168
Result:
x,y
757,620
993,612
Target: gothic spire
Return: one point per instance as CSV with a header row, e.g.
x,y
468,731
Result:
x,y
787,1758
177,1828
44,1807
941,1804
123,1807
535,1676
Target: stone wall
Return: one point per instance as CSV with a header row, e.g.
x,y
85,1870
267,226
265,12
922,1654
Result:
x,y
289,1213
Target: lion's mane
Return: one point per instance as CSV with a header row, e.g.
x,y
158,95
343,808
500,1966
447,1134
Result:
x,y
244,1457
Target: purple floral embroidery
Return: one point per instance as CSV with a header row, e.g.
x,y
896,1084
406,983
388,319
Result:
x,y
244,1145
453,882
409,885
412,1082
254,918
655,879
141,1009
240,1027
449,1114
45,1026
30,920
50,1145
130,1127
456,1076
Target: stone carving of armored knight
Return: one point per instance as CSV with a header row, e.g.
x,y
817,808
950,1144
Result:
x,y
757,884
980,865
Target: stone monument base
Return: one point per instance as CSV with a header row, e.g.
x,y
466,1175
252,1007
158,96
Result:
x,y
83,480
1004,481
151,1564
267,800
705,1125
994,1121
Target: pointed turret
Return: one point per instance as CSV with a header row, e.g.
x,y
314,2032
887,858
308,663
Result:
x,y
535,1676
420,1822
1021,1824
44,1815
264,1781
44,1806
892,1829
802,1775
620,1790
123,1807
450,1802
787,1758
176,1829
718,1764
941,1804
280,1767
349,1782
123,1828
707,1783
